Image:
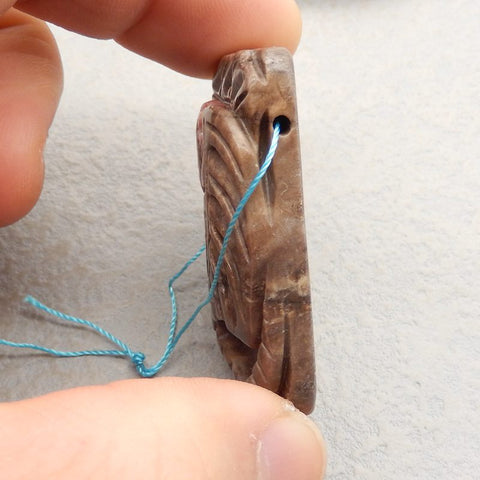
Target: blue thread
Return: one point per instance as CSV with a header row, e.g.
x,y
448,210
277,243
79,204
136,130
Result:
x,y
138,358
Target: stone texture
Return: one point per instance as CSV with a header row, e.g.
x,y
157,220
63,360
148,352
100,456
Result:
x,y
261,308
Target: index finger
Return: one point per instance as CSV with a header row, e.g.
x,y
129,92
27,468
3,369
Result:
x,y
185,35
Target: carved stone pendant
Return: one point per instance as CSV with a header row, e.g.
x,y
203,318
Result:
x,y
261,308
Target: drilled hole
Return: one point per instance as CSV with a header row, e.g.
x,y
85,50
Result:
x,y
284,123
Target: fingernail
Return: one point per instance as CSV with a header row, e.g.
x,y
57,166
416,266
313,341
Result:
x,y
291,448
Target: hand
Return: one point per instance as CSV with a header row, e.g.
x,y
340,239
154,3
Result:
x,y
187,35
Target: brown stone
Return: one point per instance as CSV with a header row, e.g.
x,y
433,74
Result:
x,y
261,307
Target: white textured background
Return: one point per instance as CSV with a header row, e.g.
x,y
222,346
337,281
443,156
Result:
x,y
389,99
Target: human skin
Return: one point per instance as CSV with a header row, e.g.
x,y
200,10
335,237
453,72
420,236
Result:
x,y
168,428
163,428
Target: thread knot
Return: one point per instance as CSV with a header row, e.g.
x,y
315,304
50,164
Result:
x,y
138,358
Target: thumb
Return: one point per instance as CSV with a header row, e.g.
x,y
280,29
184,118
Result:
x,y
168,428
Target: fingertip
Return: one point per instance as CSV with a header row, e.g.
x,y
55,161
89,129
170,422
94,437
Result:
x,y
247,26
19,198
